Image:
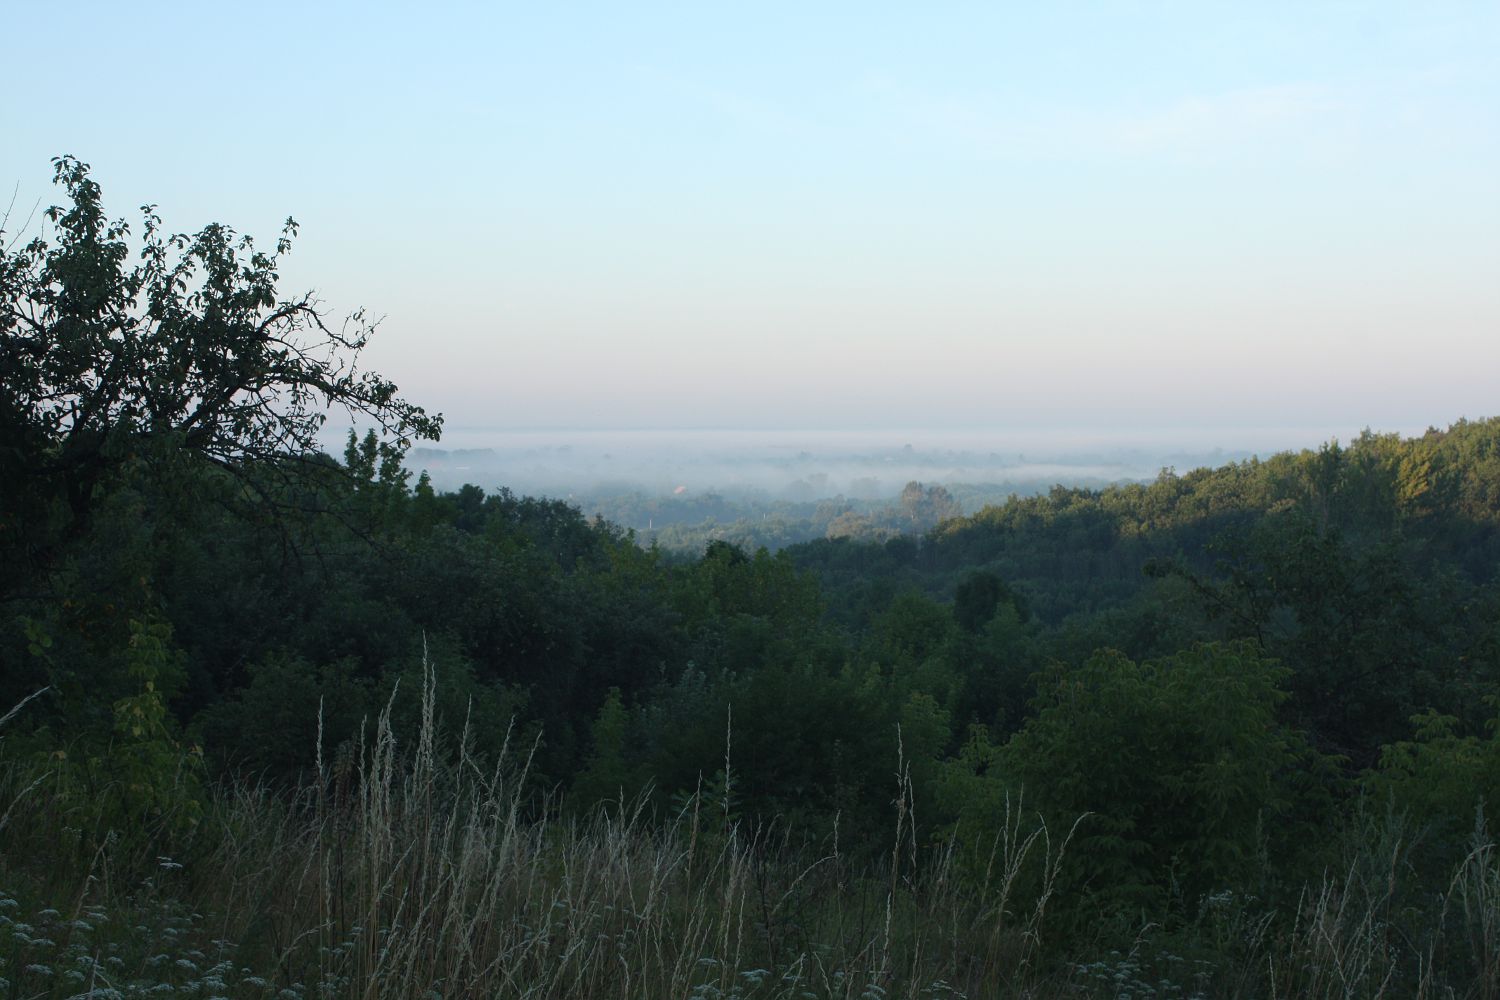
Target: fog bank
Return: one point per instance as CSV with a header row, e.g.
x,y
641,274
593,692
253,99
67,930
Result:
x,y
810,465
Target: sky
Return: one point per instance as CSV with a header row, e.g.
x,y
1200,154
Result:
x,y
1172,216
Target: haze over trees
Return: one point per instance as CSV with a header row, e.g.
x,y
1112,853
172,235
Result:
x,y
303,722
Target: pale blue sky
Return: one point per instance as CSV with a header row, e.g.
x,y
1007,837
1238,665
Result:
x,y
914,215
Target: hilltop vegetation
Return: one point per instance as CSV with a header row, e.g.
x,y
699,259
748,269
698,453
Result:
x,y
1229,733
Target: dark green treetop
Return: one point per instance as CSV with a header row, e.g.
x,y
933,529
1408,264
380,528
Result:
x,y
191,352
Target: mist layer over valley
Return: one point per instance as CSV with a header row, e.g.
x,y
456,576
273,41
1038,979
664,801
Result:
x,y
682,488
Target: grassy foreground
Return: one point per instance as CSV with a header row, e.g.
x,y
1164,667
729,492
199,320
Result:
x,y
415,872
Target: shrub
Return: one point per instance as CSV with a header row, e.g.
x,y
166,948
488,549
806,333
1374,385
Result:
x,y
1175,764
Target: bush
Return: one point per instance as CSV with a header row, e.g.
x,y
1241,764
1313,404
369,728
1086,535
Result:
x,y
1442,780
1176,766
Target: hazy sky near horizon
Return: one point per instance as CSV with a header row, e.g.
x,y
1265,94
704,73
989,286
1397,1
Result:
x,y
1160,215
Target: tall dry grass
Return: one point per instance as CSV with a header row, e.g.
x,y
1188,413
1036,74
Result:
x,y
416,871
401,875
420,872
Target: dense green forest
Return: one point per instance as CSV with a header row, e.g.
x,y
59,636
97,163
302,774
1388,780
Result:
x,y
288,721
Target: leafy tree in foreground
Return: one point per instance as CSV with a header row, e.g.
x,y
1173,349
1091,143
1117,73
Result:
x,y
131,392
191,352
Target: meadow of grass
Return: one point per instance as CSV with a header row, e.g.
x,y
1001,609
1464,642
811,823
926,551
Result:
x,y
411,869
